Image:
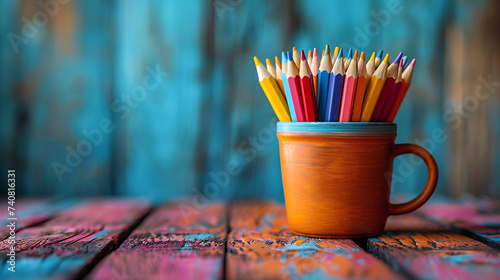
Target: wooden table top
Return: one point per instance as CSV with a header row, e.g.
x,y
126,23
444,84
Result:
x,y
131,239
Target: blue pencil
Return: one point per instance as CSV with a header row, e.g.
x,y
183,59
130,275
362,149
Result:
x,y
286,85
378,58
323,79
335,90
405,59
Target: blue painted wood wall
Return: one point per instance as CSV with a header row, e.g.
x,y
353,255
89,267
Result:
x,y
162,99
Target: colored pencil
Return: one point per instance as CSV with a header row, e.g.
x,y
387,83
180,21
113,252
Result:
x,y
272,92
392,74
374,89
323,79
335,54
296,57
393,94
350,80
335,90
314,70
288,93
370,67
405,60
405,85
360,89
309,58
307,87
378,58
279,78
348,59
270,68
294,81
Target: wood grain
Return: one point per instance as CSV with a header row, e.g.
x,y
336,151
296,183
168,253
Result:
x,y
438,255
29,212
477,218
170,245
261,246
67,245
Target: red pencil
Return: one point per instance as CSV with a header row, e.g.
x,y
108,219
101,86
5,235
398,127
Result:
x,y
392,73
349,90
294,81
393,94
405,85
307,88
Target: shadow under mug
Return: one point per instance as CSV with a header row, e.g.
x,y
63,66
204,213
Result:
x,y
337,177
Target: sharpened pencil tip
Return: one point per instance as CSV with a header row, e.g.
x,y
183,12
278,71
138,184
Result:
x,y
340,53
355,57
349,54
277,61
412,62
310,54
256,60
290,56
294,49
372,57
401,63
362,56
327,52
283,57
379,54
398,58
386,59
268,62
302,55
315,52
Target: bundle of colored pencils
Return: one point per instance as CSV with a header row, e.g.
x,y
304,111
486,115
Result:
x,y
334,88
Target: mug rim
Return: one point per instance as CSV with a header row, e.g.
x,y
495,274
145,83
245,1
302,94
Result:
x,y
329,127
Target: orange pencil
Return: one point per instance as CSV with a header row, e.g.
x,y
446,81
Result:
x,y
360,89
349,90
314,70
405,85
309,58
296,57
307,88
374,90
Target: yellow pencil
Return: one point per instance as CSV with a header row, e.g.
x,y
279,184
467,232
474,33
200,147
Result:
x,y
272,92
296,57
370,67
279,73
374,90
335,54
270,68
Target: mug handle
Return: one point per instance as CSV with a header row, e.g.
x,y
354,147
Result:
x,y
430,186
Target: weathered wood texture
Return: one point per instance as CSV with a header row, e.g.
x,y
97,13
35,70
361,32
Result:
x,y
29,212
425,248
261,246
477,218
437,255
172,243
67,245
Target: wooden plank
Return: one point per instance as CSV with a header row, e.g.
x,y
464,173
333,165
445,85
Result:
x,y
437,255
477,218
261,246
66,246
29,212
170,245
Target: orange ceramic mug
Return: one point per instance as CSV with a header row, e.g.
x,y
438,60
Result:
x,y
337,177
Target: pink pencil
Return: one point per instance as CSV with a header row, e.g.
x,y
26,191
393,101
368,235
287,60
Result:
x,y
349,90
